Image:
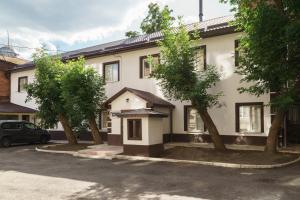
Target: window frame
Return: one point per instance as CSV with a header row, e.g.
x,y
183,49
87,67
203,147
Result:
x,y
19,81
205,54
236,53
142,58
102,119
185,120
140,137
103,71
237,115
19,123
28,123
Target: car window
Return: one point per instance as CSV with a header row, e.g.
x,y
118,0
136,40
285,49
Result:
x,y
14,126
29,125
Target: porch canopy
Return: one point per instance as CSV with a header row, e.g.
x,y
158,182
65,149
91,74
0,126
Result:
x,y
7,107
140,113
151,99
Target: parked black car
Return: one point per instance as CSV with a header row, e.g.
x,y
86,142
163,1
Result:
x,y
14,131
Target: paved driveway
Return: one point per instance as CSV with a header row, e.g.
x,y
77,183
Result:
x,y
26,174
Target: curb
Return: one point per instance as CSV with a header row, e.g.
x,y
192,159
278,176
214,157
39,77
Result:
x,y
216,164
141,158
55,152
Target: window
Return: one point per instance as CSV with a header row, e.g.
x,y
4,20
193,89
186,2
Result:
x,y
192,120
201,58
111,72
236,52
105,119
134,129
146,67
30,126
293,116
249,118
9,117
13,126
23,81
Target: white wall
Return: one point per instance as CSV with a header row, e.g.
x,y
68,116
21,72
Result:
x,y
220,52
152,132
145,133
155,130
121,104
134,102
20,97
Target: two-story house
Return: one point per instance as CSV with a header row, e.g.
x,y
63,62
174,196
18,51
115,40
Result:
x,y
8,110
136,104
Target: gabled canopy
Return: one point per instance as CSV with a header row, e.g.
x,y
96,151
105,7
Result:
x,y
151,99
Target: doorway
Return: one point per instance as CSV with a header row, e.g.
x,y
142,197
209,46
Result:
x,y
293,125
26,118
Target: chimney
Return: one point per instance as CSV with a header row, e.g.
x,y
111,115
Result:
x,y
201,10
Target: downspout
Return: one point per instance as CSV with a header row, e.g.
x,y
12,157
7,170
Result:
x,y
171,125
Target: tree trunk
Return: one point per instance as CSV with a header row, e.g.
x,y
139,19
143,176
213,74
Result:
x,y
67,129
271,145
95,131
213,131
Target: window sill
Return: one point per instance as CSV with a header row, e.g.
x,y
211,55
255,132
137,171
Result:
x,y
250,133
197,132
135,139
112,82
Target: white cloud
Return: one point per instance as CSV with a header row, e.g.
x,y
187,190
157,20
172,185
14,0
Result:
x,y
80,24
34,38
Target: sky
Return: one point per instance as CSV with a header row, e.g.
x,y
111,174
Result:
x,y
65,25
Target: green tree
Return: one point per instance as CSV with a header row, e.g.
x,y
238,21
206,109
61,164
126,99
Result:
x,y
155,18
83,94
181,80
132,34
153,21
270,58
46,91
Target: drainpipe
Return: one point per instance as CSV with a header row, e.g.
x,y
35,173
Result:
x,y
171,124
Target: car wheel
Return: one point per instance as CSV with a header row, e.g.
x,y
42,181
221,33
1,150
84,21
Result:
x,y
44,140
5,142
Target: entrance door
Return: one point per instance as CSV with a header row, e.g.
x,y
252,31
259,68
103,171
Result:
x,y
293,125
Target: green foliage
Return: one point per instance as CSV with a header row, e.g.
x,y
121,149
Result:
x,y
155,18
153,21
177,72
132,34
46,89
270,58
82,91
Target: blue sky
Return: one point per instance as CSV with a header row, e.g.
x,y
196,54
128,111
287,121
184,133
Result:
x,y
72,24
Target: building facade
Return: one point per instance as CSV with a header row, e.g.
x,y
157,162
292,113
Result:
x,y
136,103
9,110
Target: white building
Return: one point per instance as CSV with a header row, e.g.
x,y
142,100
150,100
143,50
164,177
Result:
x,y
242,119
